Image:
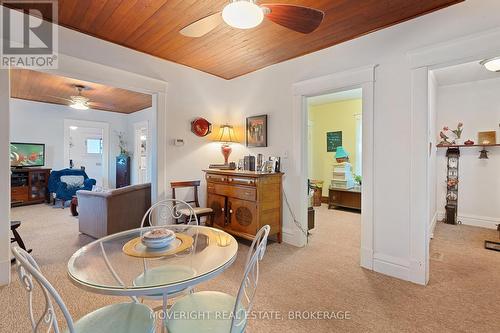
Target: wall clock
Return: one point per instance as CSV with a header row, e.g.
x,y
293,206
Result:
x,y
201,127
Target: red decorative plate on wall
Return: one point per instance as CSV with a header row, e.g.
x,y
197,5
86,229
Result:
x,y
201,127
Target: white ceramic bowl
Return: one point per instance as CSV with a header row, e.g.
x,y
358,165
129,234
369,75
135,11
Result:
x,y
157,238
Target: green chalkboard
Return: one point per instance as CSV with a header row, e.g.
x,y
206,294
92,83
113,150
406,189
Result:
x,y
333,140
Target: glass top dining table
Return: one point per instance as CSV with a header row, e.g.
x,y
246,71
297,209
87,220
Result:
x,y
104,267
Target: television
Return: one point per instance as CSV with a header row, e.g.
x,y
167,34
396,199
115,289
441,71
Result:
x,y
24,155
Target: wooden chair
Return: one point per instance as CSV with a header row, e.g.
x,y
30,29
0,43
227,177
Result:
x,y
199,211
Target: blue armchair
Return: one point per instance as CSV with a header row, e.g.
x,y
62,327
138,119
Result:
x,y
64,183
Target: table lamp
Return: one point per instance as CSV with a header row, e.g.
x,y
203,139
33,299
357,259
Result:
x,y
226,137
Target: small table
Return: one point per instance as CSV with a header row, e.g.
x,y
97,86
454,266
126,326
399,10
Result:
x,y
74,205
103,267
347,198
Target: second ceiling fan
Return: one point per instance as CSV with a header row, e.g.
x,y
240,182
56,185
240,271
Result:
x,y
246,14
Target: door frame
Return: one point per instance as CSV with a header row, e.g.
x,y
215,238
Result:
x,y
363,78
137,127
105,143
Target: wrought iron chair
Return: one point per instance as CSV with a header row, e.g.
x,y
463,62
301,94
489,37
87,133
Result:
x,y
166,212
122,317
223,313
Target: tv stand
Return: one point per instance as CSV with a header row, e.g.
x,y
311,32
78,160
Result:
x,y
29,186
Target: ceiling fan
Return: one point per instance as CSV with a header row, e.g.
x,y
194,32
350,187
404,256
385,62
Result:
x,y
81,102
246,14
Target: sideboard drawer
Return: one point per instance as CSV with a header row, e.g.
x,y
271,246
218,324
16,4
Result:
x,y
239,192
247,181
216,178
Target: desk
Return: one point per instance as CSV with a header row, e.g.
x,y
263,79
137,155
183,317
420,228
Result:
x,y
347,198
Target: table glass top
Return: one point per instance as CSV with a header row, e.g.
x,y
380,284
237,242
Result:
x,y
104,264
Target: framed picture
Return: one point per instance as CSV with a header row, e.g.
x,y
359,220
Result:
x,y
257,131
487,138
333,140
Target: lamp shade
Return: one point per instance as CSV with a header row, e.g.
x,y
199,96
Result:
x,y
226,134
341,153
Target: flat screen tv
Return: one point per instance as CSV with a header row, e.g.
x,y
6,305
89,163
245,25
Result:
x,y
24,155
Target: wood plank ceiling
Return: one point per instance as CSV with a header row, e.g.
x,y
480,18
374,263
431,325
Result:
x,y
43,87
152,26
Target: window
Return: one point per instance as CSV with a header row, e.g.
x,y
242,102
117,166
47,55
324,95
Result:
x,y
94,146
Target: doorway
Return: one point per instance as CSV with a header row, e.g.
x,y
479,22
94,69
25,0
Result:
x,y
335,164
86,144
463,164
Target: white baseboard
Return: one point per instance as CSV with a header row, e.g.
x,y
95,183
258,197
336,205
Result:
x,y
392,266
4,273
417,272
475,220
367,258
432,225
291,238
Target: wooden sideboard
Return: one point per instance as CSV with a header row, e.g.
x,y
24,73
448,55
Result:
x,y
29,186
244,201
347,198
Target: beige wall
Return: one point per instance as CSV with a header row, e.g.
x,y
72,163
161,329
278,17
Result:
x,y
331,117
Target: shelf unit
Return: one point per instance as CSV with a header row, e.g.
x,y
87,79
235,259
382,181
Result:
x,y
29,186
474,145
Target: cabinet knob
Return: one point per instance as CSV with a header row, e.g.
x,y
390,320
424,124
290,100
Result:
x,y
222,208
230,211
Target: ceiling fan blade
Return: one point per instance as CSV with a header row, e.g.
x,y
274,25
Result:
x,y
202,26
297,18
101,105
61,98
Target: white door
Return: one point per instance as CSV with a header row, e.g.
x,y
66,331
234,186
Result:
x,y
141,162
86,150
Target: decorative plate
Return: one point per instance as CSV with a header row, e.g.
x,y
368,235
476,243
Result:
x,y
201,127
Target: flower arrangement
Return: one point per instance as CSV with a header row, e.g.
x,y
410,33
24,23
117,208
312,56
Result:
x,y
122,143
445,139
459,130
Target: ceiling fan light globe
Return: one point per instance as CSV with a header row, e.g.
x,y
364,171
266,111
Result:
x,y
242,14
493,65
79,106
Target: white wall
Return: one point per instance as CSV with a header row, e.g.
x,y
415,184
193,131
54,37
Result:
x,y
44,123
477,105
270,91
431,185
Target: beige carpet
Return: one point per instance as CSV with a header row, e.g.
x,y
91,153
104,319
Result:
x,y
462,296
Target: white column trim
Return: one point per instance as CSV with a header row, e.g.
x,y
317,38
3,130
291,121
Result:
x,y
4,178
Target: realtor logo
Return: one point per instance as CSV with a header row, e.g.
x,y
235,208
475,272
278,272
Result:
x,y
29,34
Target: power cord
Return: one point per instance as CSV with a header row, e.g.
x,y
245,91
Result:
x,y
297,223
